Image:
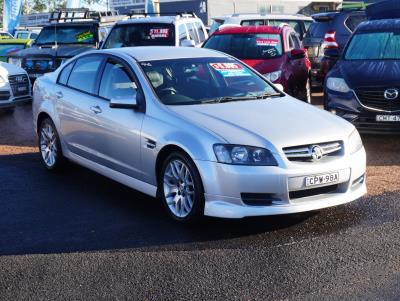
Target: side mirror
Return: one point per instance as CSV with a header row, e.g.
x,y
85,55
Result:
x,y
124,102
188,43
296,54
279,87
332,53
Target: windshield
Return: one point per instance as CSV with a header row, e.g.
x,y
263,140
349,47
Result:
x,y
76,34
10,49
247,46
141,34
204,80
374,46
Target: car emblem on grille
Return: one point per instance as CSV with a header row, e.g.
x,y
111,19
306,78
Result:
x,y
316,153
391,94
19,78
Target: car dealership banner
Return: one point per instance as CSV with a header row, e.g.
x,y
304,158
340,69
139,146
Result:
x,y
11,14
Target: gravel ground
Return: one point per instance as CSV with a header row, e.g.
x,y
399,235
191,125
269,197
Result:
x,y
80,236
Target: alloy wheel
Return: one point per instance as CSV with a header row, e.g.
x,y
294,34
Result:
x,y
179,189
48,145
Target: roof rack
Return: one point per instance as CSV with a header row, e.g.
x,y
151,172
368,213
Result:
x,y
132,13
83,14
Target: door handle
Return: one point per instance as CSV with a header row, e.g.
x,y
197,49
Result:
x,y
96,109
59,95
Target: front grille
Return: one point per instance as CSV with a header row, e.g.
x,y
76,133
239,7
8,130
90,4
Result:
x,y
4,95
305,152
373,97
313,191
19,84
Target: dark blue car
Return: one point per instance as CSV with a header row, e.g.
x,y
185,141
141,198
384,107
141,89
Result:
x,y
364,85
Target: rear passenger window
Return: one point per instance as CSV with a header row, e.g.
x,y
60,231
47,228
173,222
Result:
x,y
192,32
200,31
353,21
296,41
63,77
182,33
84,73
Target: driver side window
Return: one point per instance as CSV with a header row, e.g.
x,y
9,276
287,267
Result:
x,y
116,82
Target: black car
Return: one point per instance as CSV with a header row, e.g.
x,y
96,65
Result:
x,y
58,41
364,85
329,30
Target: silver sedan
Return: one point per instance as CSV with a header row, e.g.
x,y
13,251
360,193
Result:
x,y
198,129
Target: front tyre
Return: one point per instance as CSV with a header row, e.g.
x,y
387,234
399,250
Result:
x,y
181,188
49,145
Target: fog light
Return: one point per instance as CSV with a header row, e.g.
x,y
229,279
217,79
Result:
x,y
333,111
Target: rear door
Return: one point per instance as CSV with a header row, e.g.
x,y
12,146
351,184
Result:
x,y
77,105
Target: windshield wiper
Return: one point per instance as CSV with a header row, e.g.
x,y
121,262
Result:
x,y
228,99
268,95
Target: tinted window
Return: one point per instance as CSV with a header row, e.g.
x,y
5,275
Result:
x,y
141,34
247,46
83,75
34,35
182,33
353,21
252,22
374,46
116,82
200,31
203,80
74,34
319,29
63,78
296,41
23,35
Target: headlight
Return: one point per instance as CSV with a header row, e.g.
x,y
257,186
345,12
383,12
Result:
x,y
244,155
355,142
15,61
273,76
2,80
337,84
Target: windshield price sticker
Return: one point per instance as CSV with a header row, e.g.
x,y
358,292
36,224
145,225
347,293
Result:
x,y
230,69
267,42
84,36
159,33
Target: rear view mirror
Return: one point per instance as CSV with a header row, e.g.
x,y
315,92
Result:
x,y
188,43
124,102
296,54
332,53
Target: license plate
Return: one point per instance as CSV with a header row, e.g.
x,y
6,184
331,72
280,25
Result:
x,y
322,179
388,118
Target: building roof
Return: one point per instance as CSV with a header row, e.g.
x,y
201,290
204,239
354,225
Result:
x,y
154,53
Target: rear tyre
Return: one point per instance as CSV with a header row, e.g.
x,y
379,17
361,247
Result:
x,y
49,145
181,188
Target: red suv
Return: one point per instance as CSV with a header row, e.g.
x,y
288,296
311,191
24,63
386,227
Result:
x,y
275,52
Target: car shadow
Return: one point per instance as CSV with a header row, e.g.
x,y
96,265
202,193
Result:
x,y
78,210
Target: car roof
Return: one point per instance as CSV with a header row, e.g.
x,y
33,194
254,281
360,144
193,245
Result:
x,y
378,25
249,29
88,22
162,19
263,16
155,53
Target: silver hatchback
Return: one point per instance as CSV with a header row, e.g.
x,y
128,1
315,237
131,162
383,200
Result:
x,y
200,130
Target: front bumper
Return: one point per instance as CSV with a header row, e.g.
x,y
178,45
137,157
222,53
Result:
x,y
349,107
228,187
8,100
